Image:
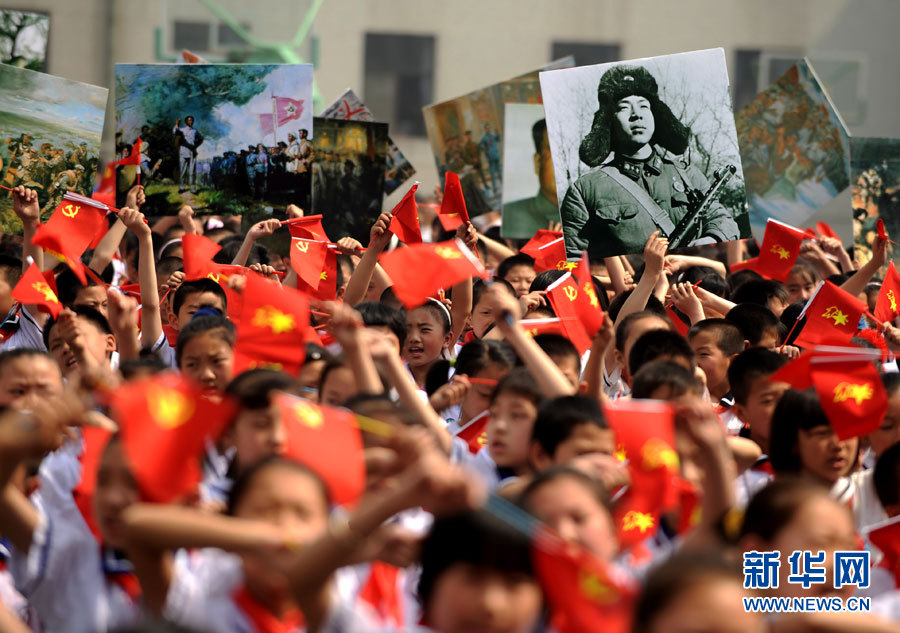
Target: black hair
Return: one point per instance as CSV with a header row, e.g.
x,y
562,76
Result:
x,y
166,266
253,388
86,312
739,277
760,291
389,298
381,315
558,346
538,130
750,365
474,356
795,410
341,260
146,363
479,289
231,244
439,311
753,320
199,326
197,286
477,538
655,344
10,269
9,356
245,479
519,382
558,418
545,279
519,259
623,328
562,472
712,281
379,406
653,305
661,373
886,477
891,382
68,285
730,339
776,505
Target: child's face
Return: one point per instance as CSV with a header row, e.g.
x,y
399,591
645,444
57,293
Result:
x,y
823,455
520,277
192,303
27,380
482,317
573,511
425,337
569,366
769,339
339,386
288,498
478,397
116,490
888,433
389,333
93,297
207,359
258,433
98,344
639,328
711,360
585,439
799,287
509,430
469,597
309,377
757,411
776,305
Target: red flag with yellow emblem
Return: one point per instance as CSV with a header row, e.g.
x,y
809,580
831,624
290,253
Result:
x,y
308,260
474,432
645,441
326,289
541,238
453,211
419,271
69,232
33,289
272,327
566,298
552,256
308,228
585,594
534,327
405,220
165,422
852,395
328,441
887,306
832,316
778,253
198,252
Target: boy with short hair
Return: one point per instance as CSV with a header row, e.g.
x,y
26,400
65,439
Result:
x,y
760,327
660,345
564,355
188,298
518,270
716,342
566,428
80,337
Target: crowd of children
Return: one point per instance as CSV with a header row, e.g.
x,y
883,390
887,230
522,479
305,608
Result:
x,y
514,477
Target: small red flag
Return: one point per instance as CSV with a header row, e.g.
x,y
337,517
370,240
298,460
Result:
x,y
134,158
165,422
405,220
882,233
453,204
474,432
585,594
33,289
680,326
326,440
887,306
534,327
106,190
326,290
824,229
198,252
308,227
886,537
778,253
288,109
541,238
69,232
567,301
832,316
552,256
419,271
797,372
308,260
271,327
852,395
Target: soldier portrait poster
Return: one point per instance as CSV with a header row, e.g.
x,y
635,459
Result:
x,y
350,107
795,150
222,138
645,145
49,137
529,184
348,175
875,193
466,136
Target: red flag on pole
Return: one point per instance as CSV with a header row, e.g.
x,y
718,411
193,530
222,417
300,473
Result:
x,y
405,220
832,316
308,228
552,256
778,253
419,271
33,289
887,306
326,289
474,432
308,260
288,109
453,204
541,238
198,252
852,395
68,232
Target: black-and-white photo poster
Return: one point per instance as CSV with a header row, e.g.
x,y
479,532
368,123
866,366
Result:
x,y
645,145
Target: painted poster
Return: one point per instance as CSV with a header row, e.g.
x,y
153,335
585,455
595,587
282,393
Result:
x,y
23,39
875,193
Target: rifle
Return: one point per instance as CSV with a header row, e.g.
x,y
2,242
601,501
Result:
x,y
684,232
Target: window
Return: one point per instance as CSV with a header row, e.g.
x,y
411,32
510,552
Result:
x,y
586,53
228,38
194,36
399,80
755,69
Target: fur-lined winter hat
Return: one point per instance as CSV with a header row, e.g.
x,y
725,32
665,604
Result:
x,y
616,84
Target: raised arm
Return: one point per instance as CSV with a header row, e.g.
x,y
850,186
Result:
x,y
151,319
857,283
258,230
108,246
379,238
462,292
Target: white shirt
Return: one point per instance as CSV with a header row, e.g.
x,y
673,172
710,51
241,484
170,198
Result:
x,y
189,135
29,334
164,351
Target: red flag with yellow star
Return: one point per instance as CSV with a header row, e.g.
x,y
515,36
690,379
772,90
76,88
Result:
x,y
585,594
474,432
852,395
453,204
832,316
534,327
887,306
328,441
165,422
326,290
419,271
308,260
405,220
33,289
69,232
308,227
541,238
552,256
272,327
778,253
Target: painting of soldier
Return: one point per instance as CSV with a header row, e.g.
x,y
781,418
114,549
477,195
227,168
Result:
x,y
643,146
529,184
49,137
348,175
23,39
466,136
875,193
795,149
223,138
397,169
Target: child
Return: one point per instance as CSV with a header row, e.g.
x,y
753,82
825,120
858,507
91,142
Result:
x,y
716,342
337,383
514,408
28,376
757,324
802,281
518,270
427,338
80,337
616,374
566,428
564,354
190,297
383,318
311,373
664,380
765,292
481,320
661,345
71,292
205,351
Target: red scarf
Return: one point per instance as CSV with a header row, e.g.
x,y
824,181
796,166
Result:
x,y
128,581
264,621
381,592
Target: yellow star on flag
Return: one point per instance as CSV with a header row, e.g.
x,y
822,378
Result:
x,y
851,391
272,317
308,415
634,520
169,408
593,588
44,288
834,313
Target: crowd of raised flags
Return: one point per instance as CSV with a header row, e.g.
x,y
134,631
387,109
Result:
x,y
435,432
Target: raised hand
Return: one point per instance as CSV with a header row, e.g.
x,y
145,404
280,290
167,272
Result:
x,y
25,206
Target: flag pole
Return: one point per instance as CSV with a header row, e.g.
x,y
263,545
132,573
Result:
x,y
274,123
